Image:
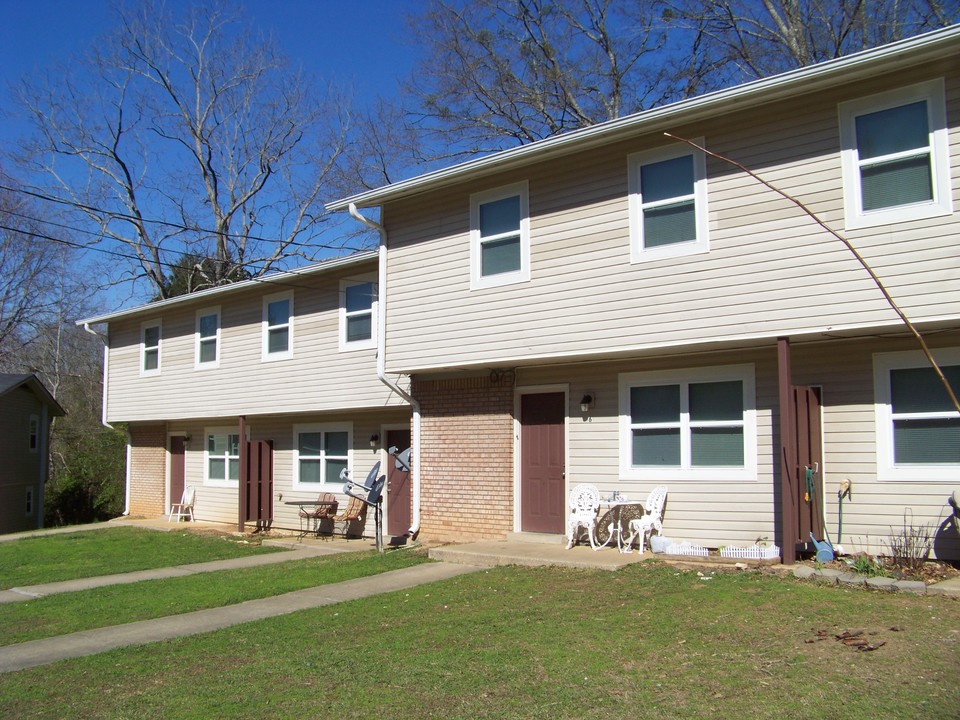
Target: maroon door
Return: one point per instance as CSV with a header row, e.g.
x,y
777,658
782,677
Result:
x,y
177,473
398,486
542,462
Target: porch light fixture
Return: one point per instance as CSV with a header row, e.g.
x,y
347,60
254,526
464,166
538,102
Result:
x,y
374,439
586,402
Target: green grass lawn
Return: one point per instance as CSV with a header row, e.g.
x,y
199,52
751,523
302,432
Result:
x,y
70,612
52,558
648,641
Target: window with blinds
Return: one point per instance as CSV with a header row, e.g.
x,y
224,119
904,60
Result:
x,y
894,156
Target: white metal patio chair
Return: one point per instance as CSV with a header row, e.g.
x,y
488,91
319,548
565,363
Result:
x,y
584,503
184,508
652,518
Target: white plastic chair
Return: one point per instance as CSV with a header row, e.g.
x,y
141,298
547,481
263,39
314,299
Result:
x,y
652,518
184,508
584,503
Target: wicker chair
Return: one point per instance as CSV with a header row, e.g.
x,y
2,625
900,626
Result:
x,y
356,512
584,503
311,518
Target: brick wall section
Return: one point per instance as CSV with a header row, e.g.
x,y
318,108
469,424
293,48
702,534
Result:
x,y
466,458
148,470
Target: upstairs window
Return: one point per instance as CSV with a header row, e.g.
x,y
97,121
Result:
x,y
918,428
208,338
33,441
894,156
150,336
358,300
278,326
668,203
500,236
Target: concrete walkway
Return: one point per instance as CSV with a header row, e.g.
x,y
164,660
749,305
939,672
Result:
x,y
306,550
90,642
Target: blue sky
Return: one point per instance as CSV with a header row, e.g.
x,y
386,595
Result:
x,y
357,42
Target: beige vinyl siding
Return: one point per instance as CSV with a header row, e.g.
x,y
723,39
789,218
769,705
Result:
x,y
770,270
845,370
317,378
737,513
702,512
216,503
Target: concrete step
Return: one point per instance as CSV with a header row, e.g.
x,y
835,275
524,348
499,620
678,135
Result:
x,y
542,538
491,553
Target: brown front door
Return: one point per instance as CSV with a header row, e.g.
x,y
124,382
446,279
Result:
x,y
177,472
542,442
398,486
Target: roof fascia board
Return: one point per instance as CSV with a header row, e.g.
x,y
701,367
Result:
x,y
33,383
895,56
267,280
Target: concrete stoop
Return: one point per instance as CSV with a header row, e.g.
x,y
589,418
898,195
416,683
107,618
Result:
x,y
532,554
533,550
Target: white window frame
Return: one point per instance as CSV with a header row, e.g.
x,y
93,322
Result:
x,y
268,356
371,342
932,92
224,481
144,349
743,373
635,161
199,341
887,470
337,486
33,437
477,280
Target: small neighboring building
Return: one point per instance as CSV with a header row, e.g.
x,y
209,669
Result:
x,y
26,410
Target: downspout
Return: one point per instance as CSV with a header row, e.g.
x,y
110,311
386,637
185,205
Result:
x,y
381,362
103,414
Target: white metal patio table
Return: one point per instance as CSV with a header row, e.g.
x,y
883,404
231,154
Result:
x,y
611,523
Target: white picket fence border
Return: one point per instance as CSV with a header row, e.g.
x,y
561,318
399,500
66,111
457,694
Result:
x,y
754,552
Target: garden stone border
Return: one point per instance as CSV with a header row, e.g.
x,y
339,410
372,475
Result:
x,y
829,576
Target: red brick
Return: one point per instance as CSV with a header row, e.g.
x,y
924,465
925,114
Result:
x,y
466,457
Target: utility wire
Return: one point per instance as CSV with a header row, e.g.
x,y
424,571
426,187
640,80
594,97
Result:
x,y
116,253
153,221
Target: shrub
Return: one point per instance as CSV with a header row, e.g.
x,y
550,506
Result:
x,y
910,545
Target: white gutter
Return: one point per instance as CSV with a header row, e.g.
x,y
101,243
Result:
x,y
382,363
103,413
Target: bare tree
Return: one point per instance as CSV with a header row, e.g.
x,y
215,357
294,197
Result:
x,y
27,276
504,72
188,134
498,73
752,39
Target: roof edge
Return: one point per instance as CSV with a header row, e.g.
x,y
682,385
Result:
x,y
36,385
908,52
276,278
